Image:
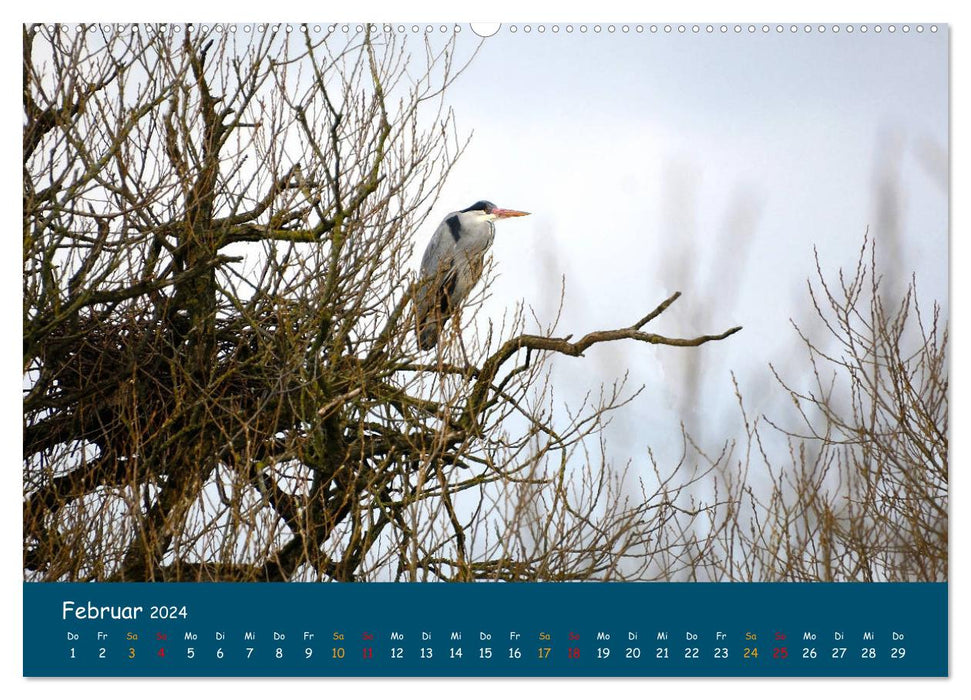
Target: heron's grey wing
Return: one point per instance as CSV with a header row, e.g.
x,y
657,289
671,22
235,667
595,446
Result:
x,y
436,306
440,252
439,275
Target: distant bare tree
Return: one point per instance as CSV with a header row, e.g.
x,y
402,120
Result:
x,y
862,494
221,380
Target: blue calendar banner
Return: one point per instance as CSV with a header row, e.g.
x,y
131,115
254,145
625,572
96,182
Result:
x,y
436,629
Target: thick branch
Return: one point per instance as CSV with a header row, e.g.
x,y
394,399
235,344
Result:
x,y
563,346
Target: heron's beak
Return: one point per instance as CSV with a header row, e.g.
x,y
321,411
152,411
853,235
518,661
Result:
x,y
508,213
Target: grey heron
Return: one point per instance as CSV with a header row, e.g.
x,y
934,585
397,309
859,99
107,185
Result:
x,y
452,265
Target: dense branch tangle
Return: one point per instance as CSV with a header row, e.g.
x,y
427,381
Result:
x,y
220,378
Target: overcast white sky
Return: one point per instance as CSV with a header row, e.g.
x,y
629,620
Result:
x,y
709,164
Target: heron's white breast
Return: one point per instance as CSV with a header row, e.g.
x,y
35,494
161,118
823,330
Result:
x,y
477,231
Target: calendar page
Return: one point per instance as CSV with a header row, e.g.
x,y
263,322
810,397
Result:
x,y
485,350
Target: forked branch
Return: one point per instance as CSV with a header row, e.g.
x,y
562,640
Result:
x,y
564,346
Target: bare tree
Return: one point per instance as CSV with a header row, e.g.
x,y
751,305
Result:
x,y
858,490
221,380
